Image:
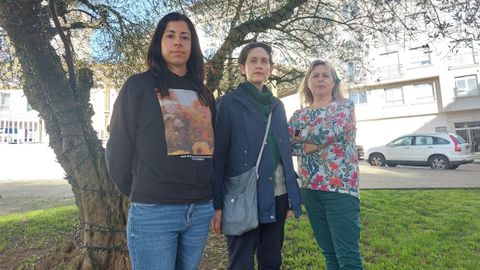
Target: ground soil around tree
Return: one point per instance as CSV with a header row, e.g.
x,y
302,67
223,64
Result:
x,y
17,196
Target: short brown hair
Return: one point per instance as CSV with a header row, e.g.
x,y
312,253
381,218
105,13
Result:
x,y
242,58
306,94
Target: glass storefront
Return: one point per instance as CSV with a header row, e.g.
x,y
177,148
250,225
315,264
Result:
x,y
470,131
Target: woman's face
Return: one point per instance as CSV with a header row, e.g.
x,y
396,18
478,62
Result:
x,y
321,81
257,66
176,44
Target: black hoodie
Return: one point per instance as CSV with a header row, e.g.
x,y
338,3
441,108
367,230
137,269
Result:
x,y
160,149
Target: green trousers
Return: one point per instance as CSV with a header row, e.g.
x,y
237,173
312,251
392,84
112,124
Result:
x,y
335,219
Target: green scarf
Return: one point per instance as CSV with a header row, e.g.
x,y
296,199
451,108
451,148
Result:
x,y
262,101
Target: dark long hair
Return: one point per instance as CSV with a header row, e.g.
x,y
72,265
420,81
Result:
x,y
195,66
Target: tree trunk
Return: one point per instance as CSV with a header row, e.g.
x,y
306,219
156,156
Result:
x,y
102,210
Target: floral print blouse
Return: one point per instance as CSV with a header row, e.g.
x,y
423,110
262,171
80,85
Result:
x,y
332,128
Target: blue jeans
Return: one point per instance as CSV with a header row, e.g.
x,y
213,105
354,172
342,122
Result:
x,y
335,220
167,236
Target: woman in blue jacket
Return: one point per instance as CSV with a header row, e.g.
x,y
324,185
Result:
x,y
239,130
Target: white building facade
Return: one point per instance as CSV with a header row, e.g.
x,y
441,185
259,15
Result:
x,y
419,88
19,123
414,88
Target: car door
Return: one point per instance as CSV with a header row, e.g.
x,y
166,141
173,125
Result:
x,y
422,148
399,149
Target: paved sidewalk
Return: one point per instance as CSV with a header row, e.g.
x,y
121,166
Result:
x,y
26,195
403,177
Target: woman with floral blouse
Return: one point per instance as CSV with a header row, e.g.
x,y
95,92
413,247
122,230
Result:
x,y
323,138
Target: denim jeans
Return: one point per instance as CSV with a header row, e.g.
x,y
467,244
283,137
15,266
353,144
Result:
x,y
167,236
335,220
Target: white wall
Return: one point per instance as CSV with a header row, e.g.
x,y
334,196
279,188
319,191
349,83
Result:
x,y
17,107
291,103
28,161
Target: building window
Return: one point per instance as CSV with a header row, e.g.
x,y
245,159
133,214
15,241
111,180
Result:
x,y
4,101
394,96
355,72
463,55
358,97
390,65
351,71
466,86
424,92
420,56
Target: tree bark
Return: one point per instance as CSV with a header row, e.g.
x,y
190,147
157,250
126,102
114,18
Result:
x,y
102,210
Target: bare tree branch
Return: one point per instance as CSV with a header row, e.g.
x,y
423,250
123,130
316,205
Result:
x,y
67,46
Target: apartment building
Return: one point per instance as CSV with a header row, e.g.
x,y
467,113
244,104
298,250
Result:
x,y
414,87
19,123
429,87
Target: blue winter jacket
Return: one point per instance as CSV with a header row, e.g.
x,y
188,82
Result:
x,y
239,131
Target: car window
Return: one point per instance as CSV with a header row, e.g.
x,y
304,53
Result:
x,y
458,138
423,140
402,141
437,140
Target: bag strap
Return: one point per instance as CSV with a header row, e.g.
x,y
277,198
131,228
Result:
x,y
263,143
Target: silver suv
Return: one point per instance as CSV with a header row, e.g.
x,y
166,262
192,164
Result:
x,y
437,150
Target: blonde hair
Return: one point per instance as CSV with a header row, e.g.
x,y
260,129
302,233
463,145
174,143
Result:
x,y
305,93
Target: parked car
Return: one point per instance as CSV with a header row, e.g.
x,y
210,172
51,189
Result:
x,y
437,150
360,152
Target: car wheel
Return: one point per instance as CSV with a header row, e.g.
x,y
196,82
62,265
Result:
x,y
392,164
453,167
376,160
439,163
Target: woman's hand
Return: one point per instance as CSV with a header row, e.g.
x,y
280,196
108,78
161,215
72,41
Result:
x,y
297,139
217,221
309,148
289,214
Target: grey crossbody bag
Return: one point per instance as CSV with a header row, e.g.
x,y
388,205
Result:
x,y
240,212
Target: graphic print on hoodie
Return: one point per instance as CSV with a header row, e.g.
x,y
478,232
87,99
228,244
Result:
x,y
188,124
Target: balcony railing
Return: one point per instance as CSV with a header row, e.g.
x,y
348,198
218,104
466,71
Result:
x,y
389,71
462,59
466,92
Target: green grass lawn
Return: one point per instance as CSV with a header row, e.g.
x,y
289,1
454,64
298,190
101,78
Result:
x,y
28,237
404,229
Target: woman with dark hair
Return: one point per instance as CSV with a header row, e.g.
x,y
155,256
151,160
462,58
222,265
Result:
x,y
239,132
160,151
